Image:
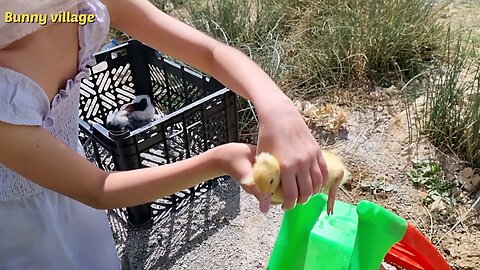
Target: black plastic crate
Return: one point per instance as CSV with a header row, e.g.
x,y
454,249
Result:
x,y
200,113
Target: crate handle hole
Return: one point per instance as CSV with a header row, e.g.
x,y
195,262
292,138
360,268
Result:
x,y
100,67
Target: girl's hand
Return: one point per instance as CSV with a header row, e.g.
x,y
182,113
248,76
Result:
x,y
236,160
284,134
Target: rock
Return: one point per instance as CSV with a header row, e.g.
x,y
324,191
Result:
x,y
391,91
365,185
390,188
438,205
169,7
464,179
467,172
468,186
374,96
475,180
468,180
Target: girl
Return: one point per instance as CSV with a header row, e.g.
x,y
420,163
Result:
x,y
52,199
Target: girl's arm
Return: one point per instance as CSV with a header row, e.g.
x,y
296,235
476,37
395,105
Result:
x,y
37,155
282,129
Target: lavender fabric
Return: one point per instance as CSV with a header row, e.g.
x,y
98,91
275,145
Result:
x,y
23,102
39,228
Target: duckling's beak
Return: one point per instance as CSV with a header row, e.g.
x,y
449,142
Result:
x,y
265,202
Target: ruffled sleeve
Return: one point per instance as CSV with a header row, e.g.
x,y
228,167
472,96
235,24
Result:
x,y
22,101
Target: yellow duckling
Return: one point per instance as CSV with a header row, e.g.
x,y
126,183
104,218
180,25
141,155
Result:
x,y
266,177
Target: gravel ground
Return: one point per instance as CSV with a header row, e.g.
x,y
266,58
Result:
x,y
221,229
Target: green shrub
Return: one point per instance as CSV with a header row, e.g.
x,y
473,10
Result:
x,y
253,26
345,42
450,114
428,174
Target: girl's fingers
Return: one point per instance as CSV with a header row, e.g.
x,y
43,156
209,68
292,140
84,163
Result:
x,y
322,164
290,190
305,188
317,177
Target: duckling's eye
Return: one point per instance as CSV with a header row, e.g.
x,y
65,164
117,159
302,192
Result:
x,y
271,181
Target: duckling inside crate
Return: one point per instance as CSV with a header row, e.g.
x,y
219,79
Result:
x,y
134,115
141,112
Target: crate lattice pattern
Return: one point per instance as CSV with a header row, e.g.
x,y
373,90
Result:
x,y
108,88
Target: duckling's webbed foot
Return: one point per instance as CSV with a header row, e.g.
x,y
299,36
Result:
x,y
332,193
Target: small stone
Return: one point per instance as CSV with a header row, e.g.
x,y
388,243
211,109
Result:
x,y
463,180
169,7
365,185
391,91
468,186
437,206
436,198
467,172
374,96
475,180
390,188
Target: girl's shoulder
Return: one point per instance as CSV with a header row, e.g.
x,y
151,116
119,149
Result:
x,y
22,102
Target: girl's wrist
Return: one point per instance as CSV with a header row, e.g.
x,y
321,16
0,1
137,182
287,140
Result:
x,y
233,159
216,160
275,108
